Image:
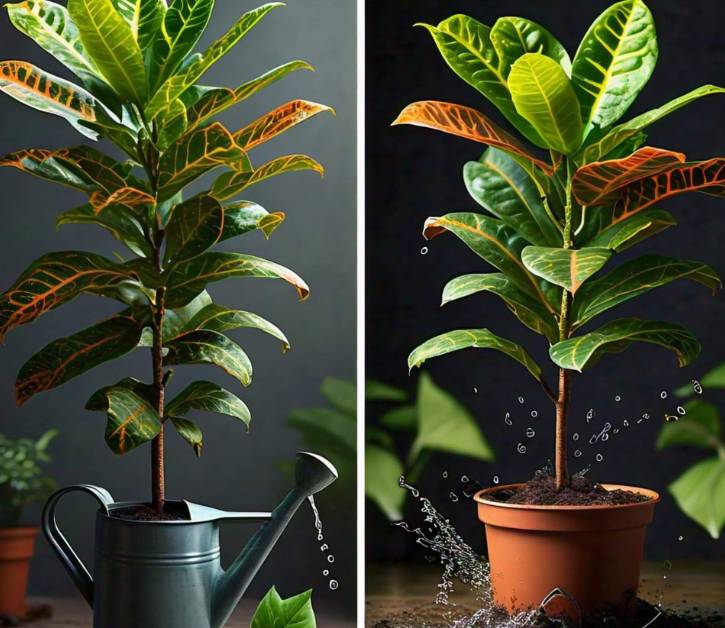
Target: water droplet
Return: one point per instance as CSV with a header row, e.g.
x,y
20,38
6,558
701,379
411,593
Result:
x,y
663,394
696,386
453,497
333,585
576,436
680,538
521,448
645,416
590,414
324,547
445,474
424,250
507,419
618,398
496,479
320,537
681,411
599,457
330,559
615,430
625,423
475,390
605,437
522,400
534,414
530,432
464,479
578,453
671,417
326,572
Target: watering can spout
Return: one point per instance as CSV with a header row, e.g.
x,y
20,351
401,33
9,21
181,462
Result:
x,y
313,473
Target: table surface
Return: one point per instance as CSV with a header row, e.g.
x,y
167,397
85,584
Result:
x,y
392,589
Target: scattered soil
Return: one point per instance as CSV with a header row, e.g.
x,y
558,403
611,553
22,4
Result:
x,y
144,512
34,613
541,491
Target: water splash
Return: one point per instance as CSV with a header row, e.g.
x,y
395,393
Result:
x,y
333,584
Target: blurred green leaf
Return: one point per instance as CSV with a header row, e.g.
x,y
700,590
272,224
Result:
x,y
403,418
340,393
382,473
377,391
700,494
700,427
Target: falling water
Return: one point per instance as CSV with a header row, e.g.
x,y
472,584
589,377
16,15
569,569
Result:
x,y
333,584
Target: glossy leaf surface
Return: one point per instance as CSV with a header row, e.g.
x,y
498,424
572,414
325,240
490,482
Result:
x,y
131,420
208,397
623,235
194,227
568,268
293,612
190,432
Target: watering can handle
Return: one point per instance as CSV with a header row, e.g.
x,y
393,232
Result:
x,y
73,565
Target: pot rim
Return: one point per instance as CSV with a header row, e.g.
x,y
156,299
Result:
x,y
654,496
107,513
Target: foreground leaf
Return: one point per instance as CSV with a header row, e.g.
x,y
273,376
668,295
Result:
x,y
294,612
444,424
636,277
543,94
208,397
382,471
210,347
527,309
43,91
631,231
190,432
109,40
195,226
513,37
67,358
131,421
598,183
53,280
467,123
615,60
568,268
582,351
471,338
187,279
98,401
241,217
700,494
45,165
144,17
700,427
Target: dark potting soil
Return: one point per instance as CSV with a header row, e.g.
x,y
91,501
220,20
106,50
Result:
x,y
146,513
541,491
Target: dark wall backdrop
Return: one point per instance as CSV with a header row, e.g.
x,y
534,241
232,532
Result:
x,y
414,173
237,470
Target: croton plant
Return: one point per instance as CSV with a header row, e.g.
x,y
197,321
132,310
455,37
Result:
x,y
555,221
137,86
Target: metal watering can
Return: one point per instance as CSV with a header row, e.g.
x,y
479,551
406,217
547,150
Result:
x,y
167,574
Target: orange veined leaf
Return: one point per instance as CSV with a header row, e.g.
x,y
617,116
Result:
x,y
467,123
277,121
127,197
702,176
599,182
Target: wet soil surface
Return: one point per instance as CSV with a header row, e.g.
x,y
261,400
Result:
x,y
541,491
146,513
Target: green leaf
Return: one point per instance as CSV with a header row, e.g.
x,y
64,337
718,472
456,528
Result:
x,y
208,397
131,420
176,321
633,127
568,268
195,226
472,338
176,85
581,351
382,472
49,25
67,358
700,427
496,243
187,279
210,347
700,494
98,401
325,427
111,44
190,432
402,419
116,220
623,235
182,27
543,94
241,217
46,165
636,277
230,184
51,94
219,318
466,46
615,60
444,424
715,378
53,280
144,17
341,394
294,612
500,185
527,309
196,153
513,37
377,391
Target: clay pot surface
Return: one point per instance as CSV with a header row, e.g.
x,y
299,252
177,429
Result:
x,y
580,559
16,549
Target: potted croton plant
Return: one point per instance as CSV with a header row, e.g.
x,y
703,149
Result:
x,y
23,482
553,221
137,86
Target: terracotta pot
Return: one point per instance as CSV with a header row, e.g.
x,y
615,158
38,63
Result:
x,y
588,555
16,550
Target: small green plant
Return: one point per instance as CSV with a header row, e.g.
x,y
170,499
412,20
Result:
x,y
138,86
700,490
274,612
22,478
554,222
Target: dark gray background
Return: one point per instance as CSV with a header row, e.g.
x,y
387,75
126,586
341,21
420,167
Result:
x,y
237,470
414,173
